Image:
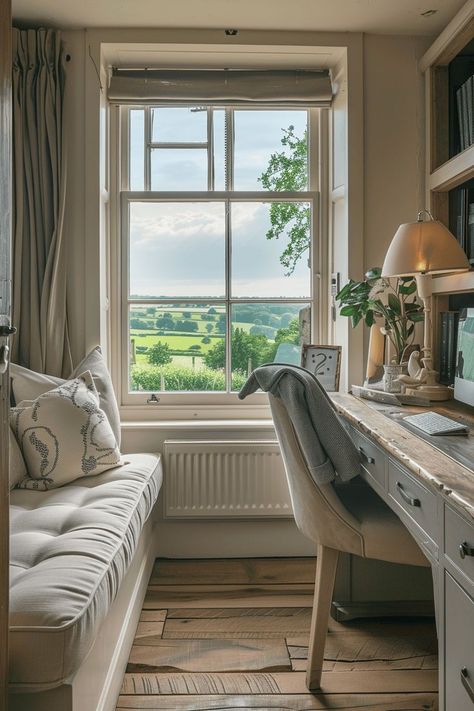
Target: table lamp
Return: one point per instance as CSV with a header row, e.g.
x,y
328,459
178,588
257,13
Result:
x,y
421,249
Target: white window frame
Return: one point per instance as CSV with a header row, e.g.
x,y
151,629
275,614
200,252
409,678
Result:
x,y
178,403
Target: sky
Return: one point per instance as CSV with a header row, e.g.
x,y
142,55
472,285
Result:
x,y
178,250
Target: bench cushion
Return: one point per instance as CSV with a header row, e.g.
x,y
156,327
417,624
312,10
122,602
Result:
x,y
70,549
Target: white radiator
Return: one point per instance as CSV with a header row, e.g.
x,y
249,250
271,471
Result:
x,y
216,479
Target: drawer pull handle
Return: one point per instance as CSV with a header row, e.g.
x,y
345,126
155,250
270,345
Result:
x,y
369,460
409,499
465,549
466,683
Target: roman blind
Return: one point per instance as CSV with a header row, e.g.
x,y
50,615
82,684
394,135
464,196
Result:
x,y
233,87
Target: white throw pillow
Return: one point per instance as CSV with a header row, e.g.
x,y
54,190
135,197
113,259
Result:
x,y
64,435
28,385
17,464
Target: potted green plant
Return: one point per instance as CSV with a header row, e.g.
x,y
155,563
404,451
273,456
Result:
x,y
394,303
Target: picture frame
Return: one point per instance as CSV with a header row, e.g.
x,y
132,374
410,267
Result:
x,y
324,362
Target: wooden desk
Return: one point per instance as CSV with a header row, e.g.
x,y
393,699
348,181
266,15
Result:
x,y
434,497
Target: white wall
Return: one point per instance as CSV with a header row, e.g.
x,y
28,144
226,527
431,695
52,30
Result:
x,y
393,135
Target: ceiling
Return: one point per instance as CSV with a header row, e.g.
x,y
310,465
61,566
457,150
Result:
x,y
375,16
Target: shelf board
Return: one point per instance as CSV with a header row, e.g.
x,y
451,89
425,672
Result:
x,y
453,283
454,172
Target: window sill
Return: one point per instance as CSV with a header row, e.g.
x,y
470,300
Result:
x,y
130,426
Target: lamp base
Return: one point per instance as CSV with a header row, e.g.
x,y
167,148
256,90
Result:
x,y
435,392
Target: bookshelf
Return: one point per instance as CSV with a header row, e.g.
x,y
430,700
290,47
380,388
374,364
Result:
x,y
449,169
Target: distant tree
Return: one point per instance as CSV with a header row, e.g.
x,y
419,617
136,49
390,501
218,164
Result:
x,y
267,331
287,170
150,311
189,326
209,327
159,354
207,317
290,334
195,347
186,314
285,320
245,347
221,324
206,340
165,322
211,310
140,323
262,316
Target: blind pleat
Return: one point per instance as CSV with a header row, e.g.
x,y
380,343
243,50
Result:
x,y
221,87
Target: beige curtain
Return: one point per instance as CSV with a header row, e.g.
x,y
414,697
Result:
x,y
39,185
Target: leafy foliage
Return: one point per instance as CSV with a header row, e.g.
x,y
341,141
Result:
x,y
159,354
177,378
288,170
363,300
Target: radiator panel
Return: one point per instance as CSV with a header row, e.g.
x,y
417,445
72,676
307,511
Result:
x,y
230,479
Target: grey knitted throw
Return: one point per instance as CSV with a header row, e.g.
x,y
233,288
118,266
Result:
x,y
326,445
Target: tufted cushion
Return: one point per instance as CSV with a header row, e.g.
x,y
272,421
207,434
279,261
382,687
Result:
x,y
70,549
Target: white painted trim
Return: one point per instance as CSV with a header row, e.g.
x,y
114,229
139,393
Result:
x,y
329,49
441,44
454,172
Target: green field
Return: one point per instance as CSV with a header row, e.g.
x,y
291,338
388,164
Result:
x,y
189,333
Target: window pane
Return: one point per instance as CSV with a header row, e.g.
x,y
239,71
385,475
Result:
x,y
179,125
177,250
266,333
177,347
137,149
272,144
265,261
218,120
179,169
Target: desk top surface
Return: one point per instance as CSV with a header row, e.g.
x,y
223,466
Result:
x,y
447,466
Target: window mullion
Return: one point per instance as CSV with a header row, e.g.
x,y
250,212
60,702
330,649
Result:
x,y
229,149
210,150
228,272
147,148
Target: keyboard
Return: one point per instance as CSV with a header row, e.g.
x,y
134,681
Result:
x,y
432,423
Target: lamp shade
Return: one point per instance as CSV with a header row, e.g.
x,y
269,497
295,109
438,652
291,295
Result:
x,y
424,248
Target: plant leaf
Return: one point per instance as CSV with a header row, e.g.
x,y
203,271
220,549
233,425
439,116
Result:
x,y
349,311
407,289
394,304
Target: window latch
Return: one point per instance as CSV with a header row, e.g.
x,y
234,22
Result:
x,y
153,400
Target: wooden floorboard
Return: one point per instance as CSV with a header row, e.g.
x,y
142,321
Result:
x,y
234,635
208,655
282,702
246,571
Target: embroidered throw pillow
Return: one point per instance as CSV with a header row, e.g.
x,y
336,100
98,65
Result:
x,y
28,385
64,435
17,464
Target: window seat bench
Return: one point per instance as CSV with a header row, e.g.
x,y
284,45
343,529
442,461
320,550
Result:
x,y
80,560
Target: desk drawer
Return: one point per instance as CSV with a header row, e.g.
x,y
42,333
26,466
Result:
x,y
416,501
459,542
459,642
373,459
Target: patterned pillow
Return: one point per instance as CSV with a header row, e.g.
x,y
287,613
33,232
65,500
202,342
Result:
x,y
28,385
64,435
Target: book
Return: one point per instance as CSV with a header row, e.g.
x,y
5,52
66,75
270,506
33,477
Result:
x,y
465,109
447,346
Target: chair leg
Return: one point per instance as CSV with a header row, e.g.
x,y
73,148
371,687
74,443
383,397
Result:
x,y
323,592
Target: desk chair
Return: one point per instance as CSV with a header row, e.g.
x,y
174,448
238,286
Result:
x,y
347,518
